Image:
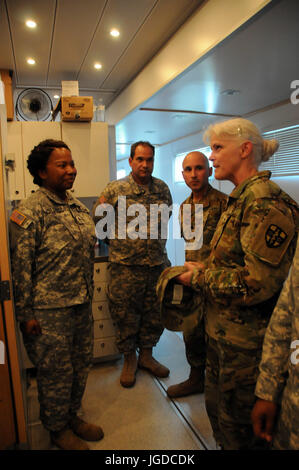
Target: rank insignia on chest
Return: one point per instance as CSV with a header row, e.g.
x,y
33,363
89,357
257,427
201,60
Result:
x,y
275,236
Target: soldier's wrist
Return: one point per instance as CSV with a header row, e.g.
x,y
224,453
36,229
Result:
x,y
197,279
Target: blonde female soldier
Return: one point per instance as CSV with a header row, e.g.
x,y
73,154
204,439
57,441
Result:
x,y
251,253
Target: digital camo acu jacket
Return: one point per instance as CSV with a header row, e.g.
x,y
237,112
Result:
x,y
279,367
52,251
252,251
214,203
143,250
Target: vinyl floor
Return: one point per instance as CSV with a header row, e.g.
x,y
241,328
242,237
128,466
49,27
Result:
x,y
142,417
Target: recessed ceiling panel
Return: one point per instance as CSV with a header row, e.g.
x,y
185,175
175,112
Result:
x,y
159,26
127,17
75,25
31,43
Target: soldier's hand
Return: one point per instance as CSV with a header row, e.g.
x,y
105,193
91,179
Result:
x,y
191,265
263,418
31,327
185,278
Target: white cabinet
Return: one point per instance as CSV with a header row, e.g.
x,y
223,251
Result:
x,y
104,328
88,143
32,134
15,153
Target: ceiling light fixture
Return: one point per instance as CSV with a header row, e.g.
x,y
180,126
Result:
x,y
56,97
31,61
114,32
31,24
97,66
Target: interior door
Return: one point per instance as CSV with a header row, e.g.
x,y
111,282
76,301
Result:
x,y
7,423
12,415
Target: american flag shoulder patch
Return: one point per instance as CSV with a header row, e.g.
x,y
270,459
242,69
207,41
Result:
x,y
20,219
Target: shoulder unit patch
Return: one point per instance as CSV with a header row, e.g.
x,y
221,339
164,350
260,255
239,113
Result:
x,y
275,236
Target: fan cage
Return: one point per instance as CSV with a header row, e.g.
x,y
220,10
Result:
x,y
25,114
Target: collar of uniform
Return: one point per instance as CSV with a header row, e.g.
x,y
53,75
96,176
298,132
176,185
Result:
x,y
137,188
69,198
204,201
236,193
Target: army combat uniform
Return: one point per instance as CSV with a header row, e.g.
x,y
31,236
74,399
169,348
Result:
x,y
52,250
135,266
252,250
213,204
278,381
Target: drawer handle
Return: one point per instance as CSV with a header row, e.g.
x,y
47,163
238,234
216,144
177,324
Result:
x,y
98,270
99,289
102,345
101,326
100,307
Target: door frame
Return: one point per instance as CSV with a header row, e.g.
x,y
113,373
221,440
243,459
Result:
x,y
10,324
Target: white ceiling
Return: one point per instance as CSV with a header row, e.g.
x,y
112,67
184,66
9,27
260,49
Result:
x,y
72,35
260,59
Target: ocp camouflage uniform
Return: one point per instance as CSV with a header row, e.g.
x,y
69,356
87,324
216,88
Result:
x,y
135,266
213,204
252,250
52,251
279,369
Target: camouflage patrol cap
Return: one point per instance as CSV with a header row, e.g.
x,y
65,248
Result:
x,y
179,304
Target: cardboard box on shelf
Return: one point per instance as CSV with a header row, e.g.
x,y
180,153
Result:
x,y
75,108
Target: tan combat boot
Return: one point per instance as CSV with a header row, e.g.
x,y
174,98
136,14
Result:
x,y
128,375
146,361
67,440
194,384
87,431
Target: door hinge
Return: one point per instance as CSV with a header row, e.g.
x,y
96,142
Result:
x,y
5,291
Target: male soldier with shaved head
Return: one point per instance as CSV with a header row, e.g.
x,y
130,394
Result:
x,y
196,173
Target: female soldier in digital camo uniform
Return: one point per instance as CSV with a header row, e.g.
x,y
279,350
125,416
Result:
x,y
52,241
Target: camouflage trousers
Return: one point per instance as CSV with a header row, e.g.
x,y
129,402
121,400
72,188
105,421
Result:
x,y
195,346
62,356
134,305
231,374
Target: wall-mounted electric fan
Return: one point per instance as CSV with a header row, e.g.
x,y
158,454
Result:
x,y
34,104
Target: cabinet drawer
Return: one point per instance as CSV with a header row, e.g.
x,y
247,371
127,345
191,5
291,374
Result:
x,y
100,310
100,292
100,272
104,347
103,328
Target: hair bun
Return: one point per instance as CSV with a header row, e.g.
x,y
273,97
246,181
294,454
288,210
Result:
x,y
269,148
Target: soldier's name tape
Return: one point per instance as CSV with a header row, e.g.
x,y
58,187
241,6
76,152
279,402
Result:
x,y
137,221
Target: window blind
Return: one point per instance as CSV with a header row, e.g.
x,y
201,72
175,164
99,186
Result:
x,y
285,161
